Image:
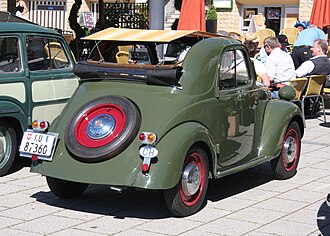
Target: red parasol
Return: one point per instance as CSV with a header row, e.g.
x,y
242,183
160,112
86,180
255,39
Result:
x,y
192,15
321,13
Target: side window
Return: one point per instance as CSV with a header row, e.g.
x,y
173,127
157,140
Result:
x,y
233,70
9,55
46,54
227,78
242,75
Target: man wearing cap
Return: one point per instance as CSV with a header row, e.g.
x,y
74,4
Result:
x,y
301,48
283,40
279,65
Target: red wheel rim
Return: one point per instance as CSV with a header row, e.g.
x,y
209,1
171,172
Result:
x,y
197,160
290,150
110,110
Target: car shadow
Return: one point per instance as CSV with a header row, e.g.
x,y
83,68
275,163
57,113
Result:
x,y
19,163
132,203
323,219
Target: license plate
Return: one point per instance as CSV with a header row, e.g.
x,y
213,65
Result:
x,y
40,144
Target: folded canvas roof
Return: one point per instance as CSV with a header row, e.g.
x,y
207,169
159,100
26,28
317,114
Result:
x,y
141,35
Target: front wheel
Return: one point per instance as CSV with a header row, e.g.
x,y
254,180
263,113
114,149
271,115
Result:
x,y
187,197
8,146
65,189
285,165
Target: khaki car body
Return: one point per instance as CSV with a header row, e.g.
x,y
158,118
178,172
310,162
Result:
x,y
209,116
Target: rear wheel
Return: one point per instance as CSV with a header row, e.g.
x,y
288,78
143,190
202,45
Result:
x,y
187,197
8,146
65,189
285,165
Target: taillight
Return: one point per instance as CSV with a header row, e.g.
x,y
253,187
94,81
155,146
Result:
x,y
147,137
40,125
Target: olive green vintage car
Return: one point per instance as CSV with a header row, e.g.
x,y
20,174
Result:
x,y
166,126
36,80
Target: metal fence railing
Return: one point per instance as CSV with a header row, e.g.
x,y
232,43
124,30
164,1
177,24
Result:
x,y
123,15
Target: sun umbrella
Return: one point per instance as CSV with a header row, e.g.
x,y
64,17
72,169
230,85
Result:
x,y
192,15
321,13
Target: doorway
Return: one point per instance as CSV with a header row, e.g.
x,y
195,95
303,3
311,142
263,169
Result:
x,y
273,18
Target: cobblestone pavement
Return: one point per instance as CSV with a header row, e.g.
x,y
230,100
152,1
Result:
x,y
247,203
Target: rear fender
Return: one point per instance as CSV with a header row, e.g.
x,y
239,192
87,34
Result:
x,y
10,110
277,118
173,147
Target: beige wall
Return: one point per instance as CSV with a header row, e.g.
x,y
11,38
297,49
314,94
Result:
x,y
3,5
305,9
230,20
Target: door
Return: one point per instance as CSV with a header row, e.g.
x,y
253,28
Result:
x,y
50,75
237,107
13,81
273,18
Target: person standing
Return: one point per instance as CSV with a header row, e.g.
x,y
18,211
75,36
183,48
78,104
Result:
x,y
279,65
21,9
301,48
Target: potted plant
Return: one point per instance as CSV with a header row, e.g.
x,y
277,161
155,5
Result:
x,y
211,20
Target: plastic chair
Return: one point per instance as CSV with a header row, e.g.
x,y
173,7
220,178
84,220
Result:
x,y
314,89
299,85
326,89
291,33
264,33
122,57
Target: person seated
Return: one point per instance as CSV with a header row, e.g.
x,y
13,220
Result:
x,y
282,39
319,64
279,66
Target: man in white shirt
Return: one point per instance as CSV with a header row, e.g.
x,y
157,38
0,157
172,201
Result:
x,y
319,64
279,65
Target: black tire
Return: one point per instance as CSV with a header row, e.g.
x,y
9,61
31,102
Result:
x,y
65,189
182,201
8,147
122,120
285,165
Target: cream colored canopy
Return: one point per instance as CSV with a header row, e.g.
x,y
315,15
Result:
x,y
141,35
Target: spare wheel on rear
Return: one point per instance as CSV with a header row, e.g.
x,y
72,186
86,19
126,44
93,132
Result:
x,y
102,128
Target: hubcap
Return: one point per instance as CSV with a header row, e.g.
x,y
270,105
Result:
x,y
191,179
290,149
2,146
100,126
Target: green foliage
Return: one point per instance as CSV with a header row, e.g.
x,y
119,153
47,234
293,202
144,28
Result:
x,y
212,13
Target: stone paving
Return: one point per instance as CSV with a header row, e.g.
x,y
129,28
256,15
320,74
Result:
x,y
247,203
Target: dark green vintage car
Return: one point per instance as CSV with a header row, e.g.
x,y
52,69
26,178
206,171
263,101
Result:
x,y
165,126
36,80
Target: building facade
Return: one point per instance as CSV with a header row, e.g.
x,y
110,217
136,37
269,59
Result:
x,y
233,15
53,13
277,14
